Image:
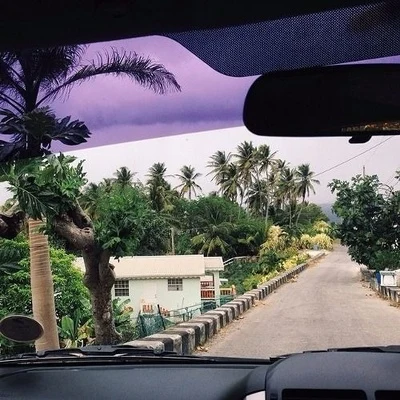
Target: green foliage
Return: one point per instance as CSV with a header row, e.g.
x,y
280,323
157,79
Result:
x,y
389,259
126,224
76,331
70,293
218,226
10,257
41,127
370,219
46,187
277,239
123,320
156,236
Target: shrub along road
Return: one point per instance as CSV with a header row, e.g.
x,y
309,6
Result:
x,y
326,307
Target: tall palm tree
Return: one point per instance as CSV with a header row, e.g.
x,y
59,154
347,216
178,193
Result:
x,y
158,187
246,160
265,158
42,287
188,184
258,198
288,190
124,176
306,181
219,166
231,185
31,78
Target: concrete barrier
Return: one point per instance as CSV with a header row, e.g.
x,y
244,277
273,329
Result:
x,y
391,293
183,338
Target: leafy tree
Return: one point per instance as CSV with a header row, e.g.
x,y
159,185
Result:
x,y
370,225
40,128
70,293
50,188
188,184
31,78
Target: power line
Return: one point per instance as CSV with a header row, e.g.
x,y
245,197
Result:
x,y
352,158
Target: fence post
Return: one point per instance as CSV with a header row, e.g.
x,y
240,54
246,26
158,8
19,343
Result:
x,y
143,325
162,319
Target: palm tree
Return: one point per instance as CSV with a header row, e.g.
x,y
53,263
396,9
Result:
x,y
258,198
31,78
265,159
123,176
231,186
89,199
246,160
158,187
188,184
213,241
287,186
306,181
219,164
42,287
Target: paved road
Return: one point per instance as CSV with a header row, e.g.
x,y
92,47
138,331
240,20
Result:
x,y
326,307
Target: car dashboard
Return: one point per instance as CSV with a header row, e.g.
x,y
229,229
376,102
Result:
x,y
325,375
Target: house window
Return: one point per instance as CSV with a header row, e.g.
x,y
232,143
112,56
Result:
x,y
121,288
175,284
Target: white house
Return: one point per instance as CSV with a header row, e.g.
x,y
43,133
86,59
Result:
x,y
170,282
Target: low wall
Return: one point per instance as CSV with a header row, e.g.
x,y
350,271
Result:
x,y
185,337
391,293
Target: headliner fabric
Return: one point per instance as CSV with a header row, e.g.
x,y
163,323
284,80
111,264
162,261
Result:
x,y
319,39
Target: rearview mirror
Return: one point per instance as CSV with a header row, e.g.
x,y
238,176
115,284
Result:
x,y
347,100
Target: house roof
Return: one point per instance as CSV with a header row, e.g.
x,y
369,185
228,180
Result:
x,y
141,267
213,264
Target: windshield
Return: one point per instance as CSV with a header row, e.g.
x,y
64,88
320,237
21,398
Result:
x,y
135,202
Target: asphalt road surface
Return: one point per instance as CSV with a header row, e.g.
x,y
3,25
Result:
x,y
328,306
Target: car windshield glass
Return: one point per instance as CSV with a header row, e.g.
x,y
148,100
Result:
x,y
129,185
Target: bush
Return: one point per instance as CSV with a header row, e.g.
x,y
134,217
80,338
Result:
x,y
389,259
321,240
277,239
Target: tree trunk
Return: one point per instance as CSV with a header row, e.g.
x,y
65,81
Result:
x,y
76,227
99,279
42,287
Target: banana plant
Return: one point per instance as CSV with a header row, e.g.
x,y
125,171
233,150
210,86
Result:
x,y
72,333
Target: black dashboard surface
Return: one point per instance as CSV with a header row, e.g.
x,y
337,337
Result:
x,y
330,375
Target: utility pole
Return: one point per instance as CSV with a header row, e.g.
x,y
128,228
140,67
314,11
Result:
x,y
173,240
363,171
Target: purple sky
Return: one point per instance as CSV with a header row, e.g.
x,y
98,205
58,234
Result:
x,y
117,110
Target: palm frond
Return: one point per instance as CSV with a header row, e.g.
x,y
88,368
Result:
x,y
140,69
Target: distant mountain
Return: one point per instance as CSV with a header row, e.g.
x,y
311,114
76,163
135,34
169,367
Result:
x,y
327,209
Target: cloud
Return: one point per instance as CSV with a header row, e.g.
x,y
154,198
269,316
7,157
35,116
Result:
x,y
207,97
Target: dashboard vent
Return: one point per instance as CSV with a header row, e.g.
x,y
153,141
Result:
x,y
387,394
322,394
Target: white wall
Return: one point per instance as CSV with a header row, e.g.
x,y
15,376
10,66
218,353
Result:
x,y
155,291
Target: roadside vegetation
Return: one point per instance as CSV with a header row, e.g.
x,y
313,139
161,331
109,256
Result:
x,y
260,208
370,220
